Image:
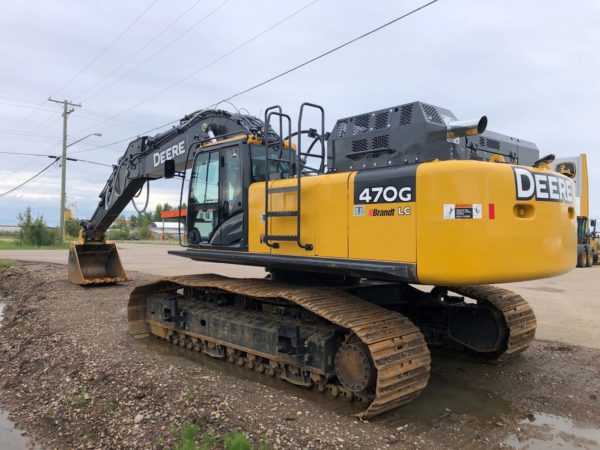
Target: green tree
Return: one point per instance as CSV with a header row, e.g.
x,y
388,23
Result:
x,y
72,228
119,223
156,216
133,219
35,231
144,226
160,208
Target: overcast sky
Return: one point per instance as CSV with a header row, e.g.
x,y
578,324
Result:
x,y
532,67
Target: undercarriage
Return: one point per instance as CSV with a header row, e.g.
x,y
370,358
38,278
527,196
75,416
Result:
x,y
361,340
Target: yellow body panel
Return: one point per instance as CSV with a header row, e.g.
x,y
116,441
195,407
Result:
x,y
383,238
507,248
525,239
324,216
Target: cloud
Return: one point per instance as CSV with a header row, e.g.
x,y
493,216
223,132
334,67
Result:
x,y
531,67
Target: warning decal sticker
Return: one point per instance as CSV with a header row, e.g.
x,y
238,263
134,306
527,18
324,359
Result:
x,y
463,211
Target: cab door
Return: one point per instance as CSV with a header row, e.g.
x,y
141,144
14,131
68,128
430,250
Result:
x,y
215,207
230,230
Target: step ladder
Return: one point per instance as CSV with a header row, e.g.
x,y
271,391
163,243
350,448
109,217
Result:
x,y
297,169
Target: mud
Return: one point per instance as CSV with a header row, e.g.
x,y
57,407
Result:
x,y
59,340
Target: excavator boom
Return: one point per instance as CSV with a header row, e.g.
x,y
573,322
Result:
x,y
93,260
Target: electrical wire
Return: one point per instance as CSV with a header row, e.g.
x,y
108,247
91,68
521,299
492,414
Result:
x,y
17,133
40,105
333,50
220,58
107,48
57,157
137,52
163,48
275,77
127,139
26,154
29,180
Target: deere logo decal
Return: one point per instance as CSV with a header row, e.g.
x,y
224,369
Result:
x,y
543,186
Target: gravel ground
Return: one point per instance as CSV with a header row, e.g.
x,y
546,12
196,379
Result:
x,y
72,377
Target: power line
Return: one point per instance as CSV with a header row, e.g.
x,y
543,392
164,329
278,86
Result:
x,y
16,133
333,50
243,44
140,50
89,162
225,55
275,77
26,154
127,139
108,47
39,106
57,157
42,125
163,48
29,180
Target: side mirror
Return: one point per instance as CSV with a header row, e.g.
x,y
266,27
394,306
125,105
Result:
x,y
593,223
169,168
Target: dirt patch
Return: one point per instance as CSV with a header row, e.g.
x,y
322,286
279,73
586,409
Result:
x,y
73,378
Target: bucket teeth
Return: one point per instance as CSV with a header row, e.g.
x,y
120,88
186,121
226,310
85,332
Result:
x,y
94,263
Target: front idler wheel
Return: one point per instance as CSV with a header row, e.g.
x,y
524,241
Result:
x,y
354,367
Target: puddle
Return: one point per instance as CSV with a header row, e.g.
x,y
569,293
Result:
x,y
10,437
548,432
443,397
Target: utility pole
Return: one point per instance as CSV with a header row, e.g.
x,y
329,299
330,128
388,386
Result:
x,y
63,160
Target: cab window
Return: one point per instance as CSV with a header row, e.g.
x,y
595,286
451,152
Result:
x,y
277,169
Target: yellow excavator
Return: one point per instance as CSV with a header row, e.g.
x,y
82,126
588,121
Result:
x,y
575,167
346,223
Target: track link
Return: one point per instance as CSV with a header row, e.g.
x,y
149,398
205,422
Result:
x,y
518,315
397,347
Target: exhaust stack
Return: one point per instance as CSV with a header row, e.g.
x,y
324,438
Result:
x,y
471,127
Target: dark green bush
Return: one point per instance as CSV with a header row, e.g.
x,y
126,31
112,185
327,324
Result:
x,y
117,234
72,228
35,231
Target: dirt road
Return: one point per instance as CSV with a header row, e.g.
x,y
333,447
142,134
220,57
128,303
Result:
x,y
73,378
567,307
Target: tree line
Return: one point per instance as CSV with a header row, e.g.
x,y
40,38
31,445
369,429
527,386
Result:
x,y
35,231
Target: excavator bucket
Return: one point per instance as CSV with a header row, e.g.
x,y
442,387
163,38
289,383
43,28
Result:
x,y
95,263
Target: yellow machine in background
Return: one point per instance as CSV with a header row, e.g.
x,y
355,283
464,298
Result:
x,y
594,241
575,167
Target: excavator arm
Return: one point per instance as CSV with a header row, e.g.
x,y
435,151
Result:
x,y
93,260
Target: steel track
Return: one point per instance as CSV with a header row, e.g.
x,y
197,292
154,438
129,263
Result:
x,y
518,316
396,346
